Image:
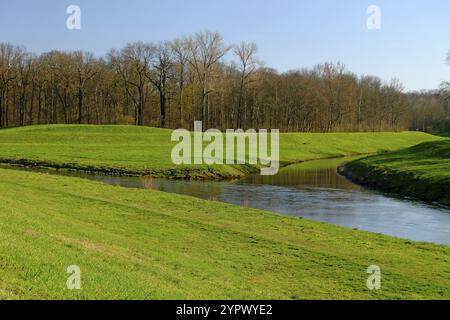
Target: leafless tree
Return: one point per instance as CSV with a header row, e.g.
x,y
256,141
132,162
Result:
x,y
132,63
248,64
160,74
180,49
9,57
85,71
207,48
173,83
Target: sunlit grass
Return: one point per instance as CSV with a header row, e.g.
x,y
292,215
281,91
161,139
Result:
x,y
146,244
421,171
147,151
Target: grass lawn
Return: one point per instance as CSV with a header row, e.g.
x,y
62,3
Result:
x,y
152,245
146,151
422,171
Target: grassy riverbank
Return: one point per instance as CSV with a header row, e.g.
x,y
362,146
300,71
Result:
x,y
422,171
147,151
153,245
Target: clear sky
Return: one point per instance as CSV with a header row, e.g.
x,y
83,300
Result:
x,y
411,45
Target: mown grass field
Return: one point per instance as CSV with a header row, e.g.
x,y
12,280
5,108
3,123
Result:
x,y
147,151
422,171
147,244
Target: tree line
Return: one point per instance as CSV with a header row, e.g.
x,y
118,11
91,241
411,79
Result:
x,y
170,84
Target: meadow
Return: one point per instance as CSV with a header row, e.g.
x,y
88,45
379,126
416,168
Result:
x,y
145,244
421,171
131,150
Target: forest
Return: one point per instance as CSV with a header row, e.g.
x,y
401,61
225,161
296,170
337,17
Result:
x,y
200,77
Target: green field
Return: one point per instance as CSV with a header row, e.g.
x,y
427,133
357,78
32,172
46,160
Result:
x,y
146,151
152,245
422,171
146,244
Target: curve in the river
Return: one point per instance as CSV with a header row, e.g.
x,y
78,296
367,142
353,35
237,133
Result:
x,y
315,191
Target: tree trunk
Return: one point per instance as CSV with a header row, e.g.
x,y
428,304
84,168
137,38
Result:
x,y
80,105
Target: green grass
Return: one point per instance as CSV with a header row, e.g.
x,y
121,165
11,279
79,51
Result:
x,y
146,151
147,244
422,171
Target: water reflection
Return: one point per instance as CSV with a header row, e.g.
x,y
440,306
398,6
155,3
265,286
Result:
x,y
314,174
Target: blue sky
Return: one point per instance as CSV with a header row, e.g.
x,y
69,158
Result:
x,y
411,45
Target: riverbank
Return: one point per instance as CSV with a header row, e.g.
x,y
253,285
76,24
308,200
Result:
x,y
422,172
145,244
138,151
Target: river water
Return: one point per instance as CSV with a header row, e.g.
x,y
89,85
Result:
x,y
315,191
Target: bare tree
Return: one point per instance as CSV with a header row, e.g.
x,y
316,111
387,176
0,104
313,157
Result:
x,y
132,63
24,66
445,85
176,82
180,49
85,71
248,64
8,62
160,75
207,49
63,71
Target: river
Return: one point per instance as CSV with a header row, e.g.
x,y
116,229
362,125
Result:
x,y
311,190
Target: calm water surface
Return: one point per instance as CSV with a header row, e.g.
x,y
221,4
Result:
x,y
315,191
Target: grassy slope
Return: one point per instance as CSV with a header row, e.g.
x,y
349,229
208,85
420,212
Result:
x,y
148,244
421,171
146,151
